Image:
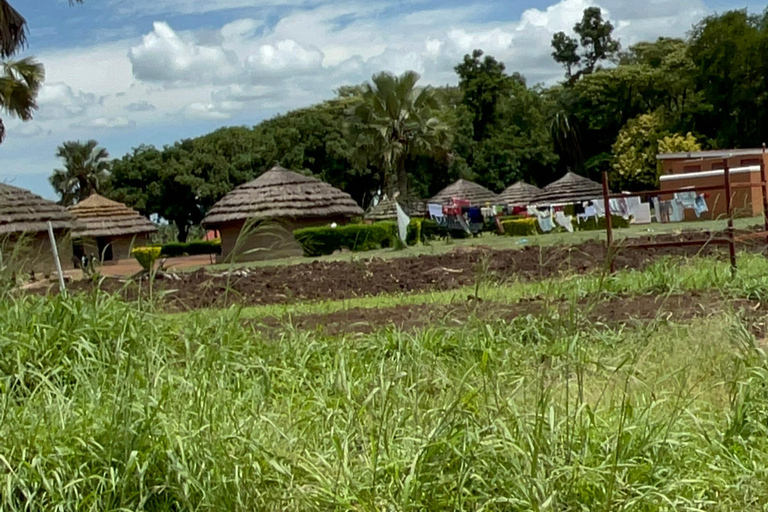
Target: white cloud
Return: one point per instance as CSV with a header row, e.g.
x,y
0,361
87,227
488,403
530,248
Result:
x,y
165,56
140,106
107,123
27,130
58,100
284,58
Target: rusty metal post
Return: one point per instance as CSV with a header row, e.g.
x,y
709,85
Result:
x,y
764,188
608,222
729,208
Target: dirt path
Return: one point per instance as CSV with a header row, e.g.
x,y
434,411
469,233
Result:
x,y
614,310
324,280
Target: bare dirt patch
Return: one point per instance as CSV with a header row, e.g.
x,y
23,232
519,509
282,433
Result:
x,y
613,310
324,280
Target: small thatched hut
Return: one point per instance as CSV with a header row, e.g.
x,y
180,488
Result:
x,y
24,241
271,207
569,189
386,209
477,195
108,229
519,194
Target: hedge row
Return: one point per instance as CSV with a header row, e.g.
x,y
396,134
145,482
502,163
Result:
x,y
176,249
354,237
529,226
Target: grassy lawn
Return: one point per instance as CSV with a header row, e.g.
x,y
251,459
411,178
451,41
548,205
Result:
x,y
493,241
108,405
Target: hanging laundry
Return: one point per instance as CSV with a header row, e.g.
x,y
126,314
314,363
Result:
x,y
435,210
545,223
687,199
599,208
474,215
642,214
656,209
488,211
633,203
677,213
402,223
700,205
564,220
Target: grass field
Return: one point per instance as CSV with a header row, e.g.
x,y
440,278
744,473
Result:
x,y
108,405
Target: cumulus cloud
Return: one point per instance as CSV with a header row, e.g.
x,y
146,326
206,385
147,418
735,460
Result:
x,y
60,101
107,123
140,106
284,58
27,130
165,56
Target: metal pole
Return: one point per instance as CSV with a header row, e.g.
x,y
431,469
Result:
x,y
729,207
764,188
608,222
55,249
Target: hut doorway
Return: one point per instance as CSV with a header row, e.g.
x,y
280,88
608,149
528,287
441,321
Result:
x,y
105,249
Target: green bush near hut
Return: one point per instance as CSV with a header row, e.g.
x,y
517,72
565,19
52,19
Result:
x,y
194,248
526,226
592,224
325,240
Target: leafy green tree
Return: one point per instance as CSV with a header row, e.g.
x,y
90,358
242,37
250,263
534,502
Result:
x,y
86,171
635,166
728,52
397,119
20,82
482,83
595,44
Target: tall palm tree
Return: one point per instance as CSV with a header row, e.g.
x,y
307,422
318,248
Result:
x,y
86,171
396,119
20,82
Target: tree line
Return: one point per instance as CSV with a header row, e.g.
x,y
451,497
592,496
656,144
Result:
x,y
615,110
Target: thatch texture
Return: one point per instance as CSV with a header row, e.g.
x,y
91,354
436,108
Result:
x,y
476,194
280,193
519,194
21,211
102,217
386,209
571,188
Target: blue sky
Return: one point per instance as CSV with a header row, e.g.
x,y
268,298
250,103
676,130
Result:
x,y
154,71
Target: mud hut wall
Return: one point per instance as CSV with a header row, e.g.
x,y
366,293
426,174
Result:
x,y
33,252
270,240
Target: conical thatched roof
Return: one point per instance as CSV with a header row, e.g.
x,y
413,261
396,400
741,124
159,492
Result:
x,y
21,211
100,216
571,188
386,210
519,194
280,193
476,194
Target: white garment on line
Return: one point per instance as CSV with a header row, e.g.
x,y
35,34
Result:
x,y
435,210
565,221
402,223
642,214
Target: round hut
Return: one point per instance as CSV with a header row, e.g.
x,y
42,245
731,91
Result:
x,y
519,194
270,208
386,209
569,189
24,240
477,195
108,229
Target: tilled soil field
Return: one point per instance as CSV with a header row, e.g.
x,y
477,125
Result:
x,y
322,280
613,310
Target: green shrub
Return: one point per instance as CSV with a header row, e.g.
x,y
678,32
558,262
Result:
x,y
176,249
590,224
146,256
355,237
520,226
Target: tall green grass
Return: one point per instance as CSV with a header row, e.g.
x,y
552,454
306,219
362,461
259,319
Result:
x,y
106,405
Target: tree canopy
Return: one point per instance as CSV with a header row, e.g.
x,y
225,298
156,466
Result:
x,y
614,111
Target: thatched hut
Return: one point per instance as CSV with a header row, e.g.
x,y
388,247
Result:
x,y
519,194
108,229
386,209
477,195
569,189
24,240
271,207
